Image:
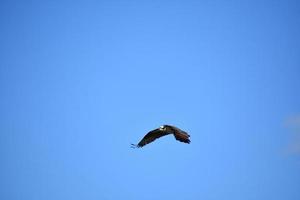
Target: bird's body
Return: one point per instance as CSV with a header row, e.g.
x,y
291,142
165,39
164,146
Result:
x,y
179,134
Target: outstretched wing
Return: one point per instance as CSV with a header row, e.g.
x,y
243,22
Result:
x,y
151,136
180,135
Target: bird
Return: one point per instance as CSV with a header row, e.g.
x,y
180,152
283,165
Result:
x,y
163,130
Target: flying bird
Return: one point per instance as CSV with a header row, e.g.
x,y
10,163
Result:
x,y
179,134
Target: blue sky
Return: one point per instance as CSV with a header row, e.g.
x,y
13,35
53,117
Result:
x,y
80,81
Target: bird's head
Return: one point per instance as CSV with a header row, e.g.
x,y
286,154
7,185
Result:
x,y
162,128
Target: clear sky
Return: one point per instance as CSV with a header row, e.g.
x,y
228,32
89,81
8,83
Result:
x,y
80,81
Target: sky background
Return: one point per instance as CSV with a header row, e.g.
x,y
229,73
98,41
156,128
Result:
x,y
82,80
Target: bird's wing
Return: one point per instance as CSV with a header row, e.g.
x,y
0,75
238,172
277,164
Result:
x,y
174,129
182,137
151,136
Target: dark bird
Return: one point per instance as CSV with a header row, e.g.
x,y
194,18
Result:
x,y
179,134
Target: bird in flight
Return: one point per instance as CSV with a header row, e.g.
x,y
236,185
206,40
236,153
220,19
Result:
x,y
179,134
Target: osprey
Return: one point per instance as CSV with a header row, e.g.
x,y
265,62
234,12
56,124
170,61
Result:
x,y
179,134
